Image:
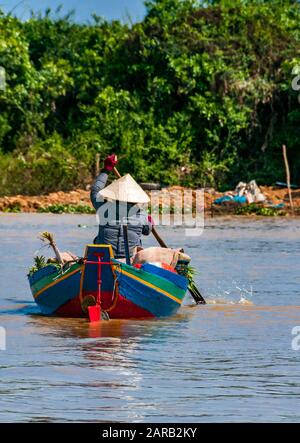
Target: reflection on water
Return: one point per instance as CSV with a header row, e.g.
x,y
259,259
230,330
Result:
x,y
230,360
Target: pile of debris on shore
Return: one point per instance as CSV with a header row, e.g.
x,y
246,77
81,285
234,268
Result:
x,y
249,198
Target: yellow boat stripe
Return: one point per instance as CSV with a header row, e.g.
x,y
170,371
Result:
x,y
55,282
150,285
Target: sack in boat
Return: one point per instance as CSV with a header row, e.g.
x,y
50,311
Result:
x,y
160,255
66,257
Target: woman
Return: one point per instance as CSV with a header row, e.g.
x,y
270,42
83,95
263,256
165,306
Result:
x,y
117,205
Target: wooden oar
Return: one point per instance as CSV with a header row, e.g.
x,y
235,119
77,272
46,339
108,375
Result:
x,y
126,244
194,291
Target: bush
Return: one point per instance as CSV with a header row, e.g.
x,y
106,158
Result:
x,y
67,209
197,93
46,167
258,210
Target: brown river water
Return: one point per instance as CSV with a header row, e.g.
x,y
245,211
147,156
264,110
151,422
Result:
x,y
229,361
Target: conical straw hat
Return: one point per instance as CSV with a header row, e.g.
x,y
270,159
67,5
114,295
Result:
x,y
125,189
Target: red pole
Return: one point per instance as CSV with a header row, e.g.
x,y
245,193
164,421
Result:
x,y
99,281
95,311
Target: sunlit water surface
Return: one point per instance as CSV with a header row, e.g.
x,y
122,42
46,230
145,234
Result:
x,y
230,361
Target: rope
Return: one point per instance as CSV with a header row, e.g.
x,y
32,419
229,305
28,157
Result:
x,y
115,295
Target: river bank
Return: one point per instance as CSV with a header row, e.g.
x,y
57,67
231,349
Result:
x,y
78,201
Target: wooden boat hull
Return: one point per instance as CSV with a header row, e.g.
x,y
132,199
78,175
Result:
x,y
126,292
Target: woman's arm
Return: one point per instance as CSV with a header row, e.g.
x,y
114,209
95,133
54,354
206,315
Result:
x,y
101,180
97,186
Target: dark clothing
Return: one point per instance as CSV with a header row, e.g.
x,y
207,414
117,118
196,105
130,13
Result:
x,y
112,216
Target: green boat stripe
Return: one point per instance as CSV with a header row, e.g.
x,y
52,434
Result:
x,y
48,279
155,280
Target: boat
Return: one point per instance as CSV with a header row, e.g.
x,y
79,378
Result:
x,y
121,290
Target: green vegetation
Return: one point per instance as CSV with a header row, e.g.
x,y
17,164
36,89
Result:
x,y
67,209
195,94
13,207
259,210
39,263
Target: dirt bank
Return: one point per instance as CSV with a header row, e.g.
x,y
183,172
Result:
x,y
81,197
25,203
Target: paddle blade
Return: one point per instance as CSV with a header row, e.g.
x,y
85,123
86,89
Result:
x,y
94,313
195,293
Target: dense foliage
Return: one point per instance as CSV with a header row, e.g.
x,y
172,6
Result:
x,y
196,94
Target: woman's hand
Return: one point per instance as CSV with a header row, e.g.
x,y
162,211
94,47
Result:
x,y
150,220
110,162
